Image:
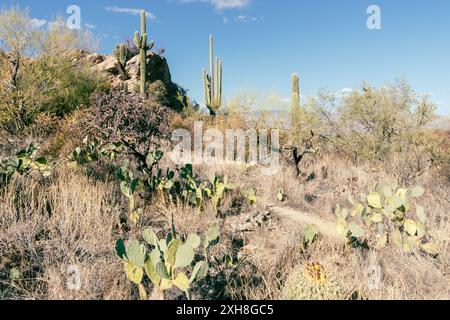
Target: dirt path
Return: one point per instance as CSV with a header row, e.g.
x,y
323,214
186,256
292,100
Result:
x,y
288,215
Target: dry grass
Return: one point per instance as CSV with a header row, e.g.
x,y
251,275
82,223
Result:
x,y
46,228
74,220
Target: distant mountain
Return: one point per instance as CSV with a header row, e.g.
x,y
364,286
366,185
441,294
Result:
x,y
441,123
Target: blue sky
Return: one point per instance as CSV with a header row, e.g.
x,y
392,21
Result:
x,y
261,42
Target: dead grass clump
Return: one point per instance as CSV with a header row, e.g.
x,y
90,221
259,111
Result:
x,y
49,230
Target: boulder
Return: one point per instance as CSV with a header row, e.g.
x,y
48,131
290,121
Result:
x,y
95,58
133,85
157,68
133,67
76,55
110,66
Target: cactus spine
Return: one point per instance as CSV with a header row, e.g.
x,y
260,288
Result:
x,y
212,82
141,42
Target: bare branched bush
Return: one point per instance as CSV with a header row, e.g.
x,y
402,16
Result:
x,y
129,119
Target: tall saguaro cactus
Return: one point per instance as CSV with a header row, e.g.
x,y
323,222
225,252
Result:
x,y
141,42
295,100
212,82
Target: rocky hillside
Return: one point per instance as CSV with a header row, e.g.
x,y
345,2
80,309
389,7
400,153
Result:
x,y
127,77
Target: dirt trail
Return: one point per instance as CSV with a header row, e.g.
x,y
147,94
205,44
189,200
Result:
x,y
288,215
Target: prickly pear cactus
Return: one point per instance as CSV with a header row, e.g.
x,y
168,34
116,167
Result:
x,y
24,161
166,261
311,283
386,215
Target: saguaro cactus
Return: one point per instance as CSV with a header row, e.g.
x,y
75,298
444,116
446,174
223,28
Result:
x,y
295,101
141,42
213,82
122,55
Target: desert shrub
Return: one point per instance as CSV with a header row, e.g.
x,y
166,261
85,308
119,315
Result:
x,y
51,86
42,78
171,95
126,118
62,135
379,124
443,152
159,91
446,165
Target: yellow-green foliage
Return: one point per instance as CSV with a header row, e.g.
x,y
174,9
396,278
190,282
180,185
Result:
x,y
50,82
23,162
167,261
311,283
386,215
379,124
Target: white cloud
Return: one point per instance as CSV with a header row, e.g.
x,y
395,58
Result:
x,y
132,11
37,23
223,4
347,90
89,26
246,19
242,18
225,20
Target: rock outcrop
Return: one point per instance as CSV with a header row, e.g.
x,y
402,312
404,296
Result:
x,y
128,76
110,67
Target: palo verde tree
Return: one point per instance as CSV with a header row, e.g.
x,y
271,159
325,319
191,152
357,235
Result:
x,y
18,38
